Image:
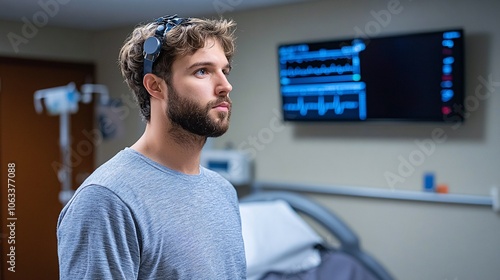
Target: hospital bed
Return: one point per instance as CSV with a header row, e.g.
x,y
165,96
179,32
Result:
x,y
274,231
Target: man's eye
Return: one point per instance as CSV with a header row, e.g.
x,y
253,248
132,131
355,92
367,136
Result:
x,y
201,72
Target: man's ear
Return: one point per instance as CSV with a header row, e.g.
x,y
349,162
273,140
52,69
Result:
x,y
153,85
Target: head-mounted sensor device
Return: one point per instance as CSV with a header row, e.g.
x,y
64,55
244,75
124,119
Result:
x,y
152,45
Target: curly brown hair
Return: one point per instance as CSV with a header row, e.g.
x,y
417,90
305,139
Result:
x,y
181,40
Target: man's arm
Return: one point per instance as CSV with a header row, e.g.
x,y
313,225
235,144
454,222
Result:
x,y
97,237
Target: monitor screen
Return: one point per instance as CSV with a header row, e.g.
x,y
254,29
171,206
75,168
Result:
x,y
414,77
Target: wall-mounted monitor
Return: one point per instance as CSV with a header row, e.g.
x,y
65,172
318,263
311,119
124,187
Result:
x,y
410,77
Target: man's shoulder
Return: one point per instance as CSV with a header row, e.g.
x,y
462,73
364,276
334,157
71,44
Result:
x,y
121,165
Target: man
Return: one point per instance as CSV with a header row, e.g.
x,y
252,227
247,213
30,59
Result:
x,y
152,212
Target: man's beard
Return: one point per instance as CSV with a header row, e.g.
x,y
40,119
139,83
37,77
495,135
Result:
x,y
192,117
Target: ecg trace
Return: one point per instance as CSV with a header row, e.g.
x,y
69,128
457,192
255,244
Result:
x,y
321,70
323,107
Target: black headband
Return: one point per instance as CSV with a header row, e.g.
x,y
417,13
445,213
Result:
x,y
152,45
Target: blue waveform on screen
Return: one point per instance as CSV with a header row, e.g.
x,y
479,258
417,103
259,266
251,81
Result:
x,y
323,107
321,70
318,79
324,89
320,55
294,54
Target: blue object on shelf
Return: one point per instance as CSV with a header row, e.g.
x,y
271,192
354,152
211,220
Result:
x,y
429,185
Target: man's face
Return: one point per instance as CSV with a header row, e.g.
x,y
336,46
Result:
x,y
198,94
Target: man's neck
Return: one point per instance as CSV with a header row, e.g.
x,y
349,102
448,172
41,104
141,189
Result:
x,y
175,148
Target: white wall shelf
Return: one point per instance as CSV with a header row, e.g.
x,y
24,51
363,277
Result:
x,y
492,201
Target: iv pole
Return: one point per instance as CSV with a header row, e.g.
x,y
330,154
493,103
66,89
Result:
x,y
63,101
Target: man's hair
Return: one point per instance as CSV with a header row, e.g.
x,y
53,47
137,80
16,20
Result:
x,y
184,39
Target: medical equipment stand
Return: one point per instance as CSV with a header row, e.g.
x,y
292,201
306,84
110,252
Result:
x,y
63,101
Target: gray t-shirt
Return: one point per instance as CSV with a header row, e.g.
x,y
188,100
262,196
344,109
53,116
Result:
x,y
136,219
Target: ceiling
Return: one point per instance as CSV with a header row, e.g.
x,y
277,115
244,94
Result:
x,y
103,14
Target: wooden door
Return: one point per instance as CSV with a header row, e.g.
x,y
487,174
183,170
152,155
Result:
x,y
30,157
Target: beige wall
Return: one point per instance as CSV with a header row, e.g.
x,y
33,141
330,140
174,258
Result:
x,y
21,40
414,240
